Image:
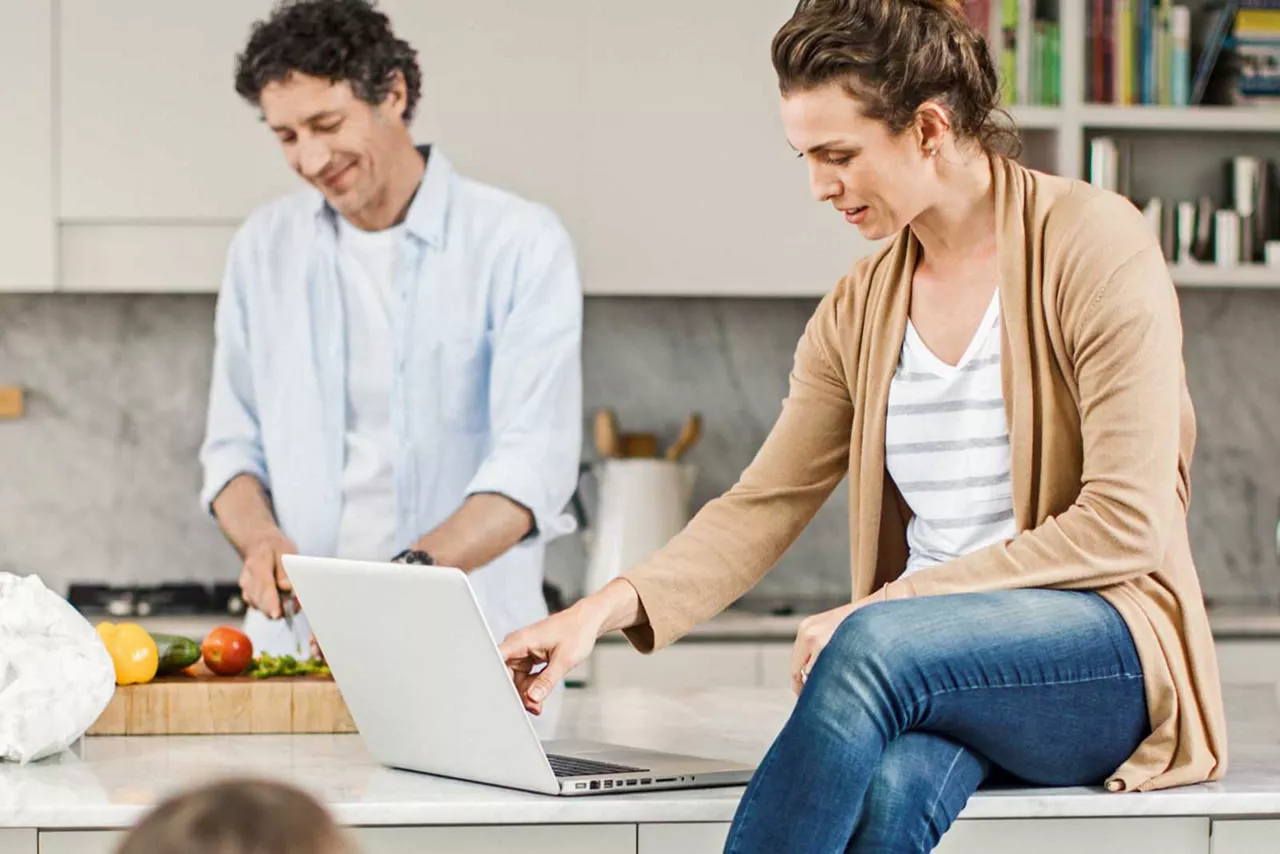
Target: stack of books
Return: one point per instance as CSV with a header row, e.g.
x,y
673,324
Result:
x,y
1255,43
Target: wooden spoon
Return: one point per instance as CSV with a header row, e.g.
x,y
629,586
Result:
x,y
606,433
688,435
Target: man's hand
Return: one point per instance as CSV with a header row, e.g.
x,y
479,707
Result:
x,y
263,572
814,634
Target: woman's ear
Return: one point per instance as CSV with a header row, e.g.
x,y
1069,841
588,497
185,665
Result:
x,y
933,123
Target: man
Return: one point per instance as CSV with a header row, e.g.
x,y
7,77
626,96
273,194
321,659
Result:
x,y
397,356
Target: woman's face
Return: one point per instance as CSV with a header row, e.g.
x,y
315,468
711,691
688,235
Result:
x,y
875,180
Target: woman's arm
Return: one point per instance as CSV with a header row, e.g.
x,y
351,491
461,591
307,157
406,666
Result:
x,y
1128,367
735,539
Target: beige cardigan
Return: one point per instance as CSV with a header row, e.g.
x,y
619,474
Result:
x,y
1101,430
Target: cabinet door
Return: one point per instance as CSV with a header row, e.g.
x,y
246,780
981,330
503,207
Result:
x,y
693,838
1072,836
1245,836
692,187
151,126
683,665
532,839
27,220
18,841
79,841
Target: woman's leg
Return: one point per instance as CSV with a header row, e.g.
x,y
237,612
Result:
x,y
921,784
1046,684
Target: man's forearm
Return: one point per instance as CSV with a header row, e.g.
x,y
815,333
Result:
x,y
482,529
244,512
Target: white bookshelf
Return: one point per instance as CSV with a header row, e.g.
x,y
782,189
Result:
x,y
1056,139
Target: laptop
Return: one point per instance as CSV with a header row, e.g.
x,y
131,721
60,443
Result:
x,y
429,692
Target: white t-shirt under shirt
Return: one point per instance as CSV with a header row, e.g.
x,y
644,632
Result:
x,y
947,446
366,266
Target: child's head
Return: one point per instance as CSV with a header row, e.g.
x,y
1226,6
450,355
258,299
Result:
x,y
237,816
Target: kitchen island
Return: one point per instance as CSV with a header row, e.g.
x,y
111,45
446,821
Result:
x,y
77,803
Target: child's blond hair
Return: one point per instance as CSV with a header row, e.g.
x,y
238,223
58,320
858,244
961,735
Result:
x,y
238,816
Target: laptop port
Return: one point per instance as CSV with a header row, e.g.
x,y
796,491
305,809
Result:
x,y
608,784
632,782
581,786
666,779
646,781
595,784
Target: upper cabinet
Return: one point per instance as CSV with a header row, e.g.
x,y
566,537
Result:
x,y
27,216
151,128
653,132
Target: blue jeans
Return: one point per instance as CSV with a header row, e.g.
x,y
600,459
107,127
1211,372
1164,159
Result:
x,y
914,702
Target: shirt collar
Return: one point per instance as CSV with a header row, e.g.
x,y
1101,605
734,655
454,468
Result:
x,y
429,209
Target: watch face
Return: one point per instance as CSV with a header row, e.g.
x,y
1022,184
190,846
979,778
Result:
x,y
413,556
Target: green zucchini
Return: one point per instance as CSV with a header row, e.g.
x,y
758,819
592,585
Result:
x,y
175,652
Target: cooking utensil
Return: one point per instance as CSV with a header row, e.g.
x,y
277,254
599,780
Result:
x,y
688,436
608,443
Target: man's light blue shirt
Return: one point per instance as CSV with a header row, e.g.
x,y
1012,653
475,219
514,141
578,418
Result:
x,y
486,392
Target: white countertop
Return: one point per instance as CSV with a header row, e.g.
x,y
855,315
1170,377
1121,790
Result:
x,y
110,782
737,624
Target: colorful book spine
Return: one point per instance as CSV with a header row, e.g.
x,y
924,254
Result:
x,y
1180,57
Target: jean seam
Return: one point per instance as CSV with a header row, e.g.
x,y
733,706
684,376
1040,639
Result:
x,y
942,788
915,706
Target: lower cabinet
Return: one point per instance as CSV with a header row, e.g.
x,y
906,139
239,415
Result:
x,y
1075,835
17,842
693,838
530,839
79,841
1245,836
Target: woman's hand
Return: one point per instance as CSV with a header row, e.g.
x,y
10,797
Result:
x,y
812,637
560,642
540,655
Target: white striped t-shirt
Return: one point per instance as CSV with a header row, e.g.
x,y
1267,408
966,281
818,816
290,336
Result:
x,y
947,446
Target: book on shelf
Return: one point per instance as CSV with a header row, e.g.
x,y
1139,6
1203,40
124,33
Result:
x,y
1139,52
1024,40
1234,229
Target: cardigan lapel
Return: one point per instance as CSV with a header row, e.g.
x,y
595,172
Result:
x,y
1017,301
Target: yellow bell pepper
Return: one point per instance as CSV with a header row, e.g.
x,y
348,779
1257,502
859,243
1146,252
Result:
x,y
133,652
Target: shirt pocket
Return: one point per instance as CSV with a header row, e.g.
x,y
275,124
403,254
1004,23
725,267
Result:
x,y
465,383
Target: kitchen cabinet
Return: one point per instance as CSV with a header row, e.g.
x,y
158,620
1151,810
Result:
x,y
80,841
27,218
616,119
691,838
531,839
685,154
151,127
18,841
1074,835
1244,836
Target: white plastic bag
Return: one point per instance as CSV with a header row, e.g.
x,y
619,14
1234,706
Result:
x,y
56,676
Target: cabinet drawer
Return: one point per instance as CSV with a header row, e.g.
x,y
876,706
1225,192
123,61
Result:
x,y
531,839
1076,835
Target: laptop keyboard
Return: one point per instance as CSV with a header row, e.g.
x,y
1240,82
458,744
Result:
x,y
569,766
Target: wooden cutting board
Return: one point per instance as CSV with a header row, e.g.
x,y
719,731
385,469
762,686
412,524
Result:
x,y
204,704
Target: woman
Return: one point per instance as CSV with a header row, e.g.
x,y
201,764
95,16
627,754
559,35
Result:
x,y
1003,386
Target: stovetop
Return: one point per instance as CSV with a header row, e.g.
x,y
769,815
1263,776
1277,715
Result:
x,y
161,600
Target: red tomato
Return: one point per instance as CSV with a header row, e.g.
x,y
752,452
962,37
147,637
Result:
x,y
226,651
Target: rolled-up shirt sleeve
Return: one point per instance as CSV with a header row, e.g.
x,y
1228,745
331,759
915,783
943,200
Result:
x,y
233,440
535,385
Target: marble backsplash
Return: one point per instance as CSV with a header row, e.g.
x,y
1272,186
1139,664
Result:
x,y
98,482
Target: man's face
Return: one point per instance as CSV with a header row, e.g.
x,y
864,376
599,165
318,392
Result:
x,y
339,144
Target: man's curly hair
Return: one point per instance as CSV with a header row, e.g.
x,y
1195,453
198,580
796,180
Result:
x,y
332,39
